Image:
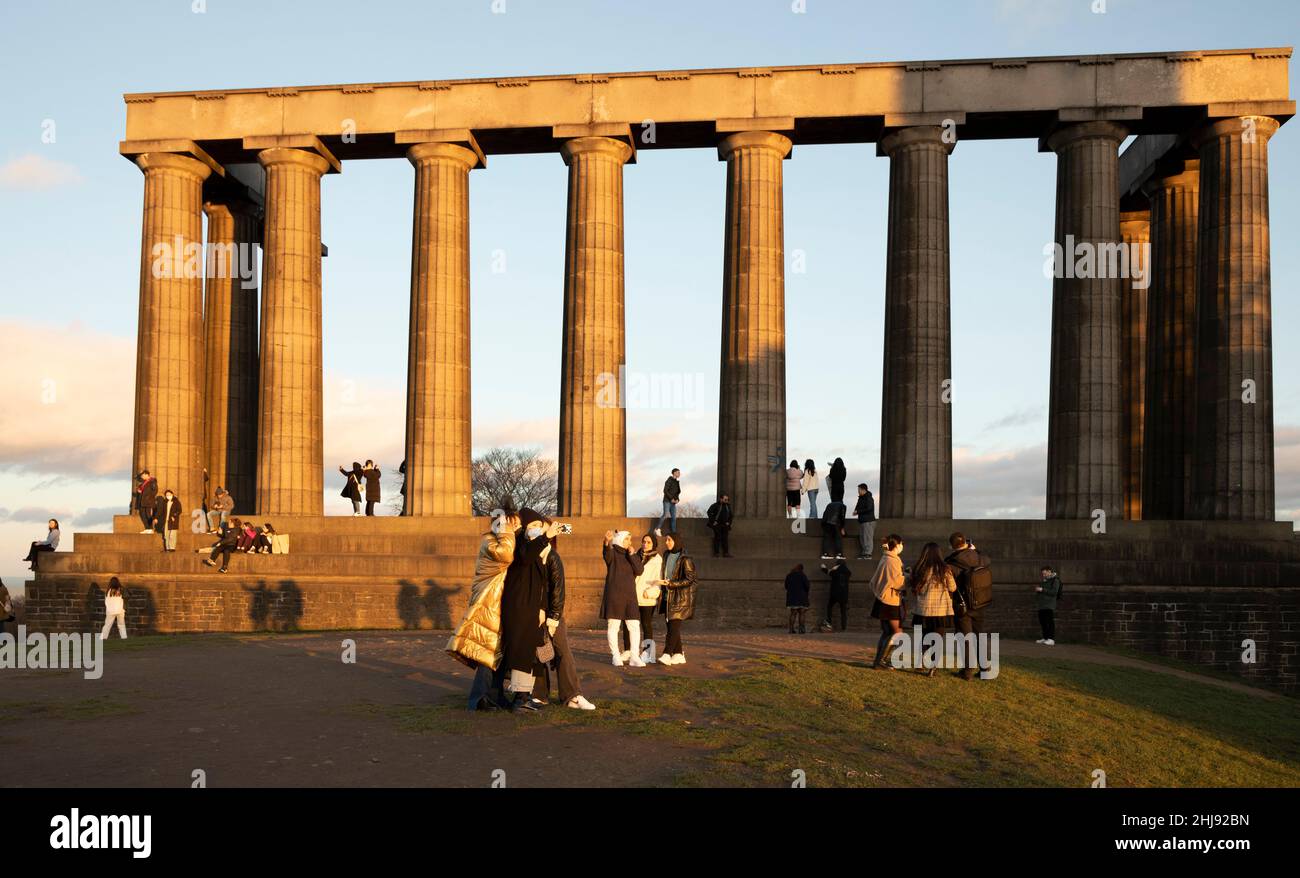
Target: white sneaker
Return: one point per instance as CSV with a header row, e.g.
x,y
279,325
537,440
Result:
x,y
618,661
636,662
665,659
679,659
147,530
627,655
1049,642
1040,640
658,532
356,515
577,702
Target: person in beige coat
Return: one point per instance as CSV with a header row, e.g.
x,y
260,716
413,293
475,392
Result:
x,y
887,585
476,642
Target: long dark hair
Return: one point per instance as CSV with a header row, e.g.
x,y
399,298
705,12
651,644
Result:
x,y
809,467
837,469
929,568
56,523
794,464
654,545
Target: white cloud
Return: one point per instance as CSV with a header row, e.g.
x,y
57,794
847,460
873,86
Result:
x,y
32,172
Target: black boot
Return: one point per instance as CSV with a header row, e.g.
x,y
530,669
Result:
x,y
881,646
523,701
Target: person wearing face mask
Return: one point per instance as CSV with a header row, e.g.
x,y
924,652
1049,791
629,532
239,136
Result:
x,y
167,518
523,608
476,642
566,671
619,604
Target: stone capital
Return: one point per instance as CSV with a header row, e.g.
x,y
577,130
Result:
x,y
152,161
435,151
1185,175
278,155
919,135
307,143
608,146
767,140
462,137
1261,127
1063,137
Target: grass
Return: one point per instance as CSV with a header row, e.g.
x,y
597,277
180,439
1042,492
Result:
x,y
1043,722
96,708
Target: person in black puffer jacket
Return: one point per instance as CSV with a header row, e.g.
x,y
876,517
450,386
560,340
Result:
x,y
677,601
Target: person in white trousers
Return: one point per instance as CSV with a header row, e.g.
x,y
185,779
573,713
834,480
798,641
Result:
x,y
114,610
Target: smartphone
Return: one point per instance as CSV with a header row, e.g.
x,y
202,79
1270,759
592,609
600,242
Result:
x,y
566,529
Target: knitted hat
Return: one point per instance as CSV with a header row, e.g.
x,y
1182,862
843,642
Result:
x,y
528,516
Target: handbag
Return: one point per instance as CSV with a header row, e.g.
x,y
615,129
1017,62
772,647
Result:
x,y
546,652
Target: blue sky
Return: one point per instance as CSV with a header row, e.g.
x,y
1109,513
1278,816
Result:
x,y
69,235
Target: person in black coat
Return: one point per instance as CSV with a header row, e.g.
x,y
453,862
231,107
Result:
x,y
402,469
963,559
167,518
523,606
797,591
566,671
618,604
833,531
372,476
837,475
144,499
840,575
720,519
352,486
226,543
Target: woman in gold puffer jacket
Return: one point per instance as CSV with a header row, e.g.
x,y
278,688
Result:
x,y
477,640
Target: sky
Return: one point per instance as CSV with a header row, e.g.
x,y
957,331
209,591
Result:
x,y
70,213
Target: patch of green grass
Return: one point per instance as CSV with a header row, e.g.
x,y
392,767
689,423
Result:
x,y
153,641
99,707
1043,722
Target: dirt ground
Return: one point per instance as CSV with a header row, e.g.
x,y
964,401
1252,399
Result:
x,y
285,710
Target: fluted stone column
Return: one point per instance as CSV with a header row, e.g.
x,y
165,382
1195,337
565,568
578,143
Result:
x,y
289,430
169,388
1171,346
751,405
230,329
916,415
1135,233
1234,448
1084,463
438,451
592,470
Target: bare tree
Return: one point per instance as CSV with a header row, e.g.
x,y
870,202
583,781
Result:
x,y
520,474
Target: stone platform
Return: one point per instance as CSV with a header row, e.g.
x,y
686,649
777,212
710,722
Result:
x,y
1188,590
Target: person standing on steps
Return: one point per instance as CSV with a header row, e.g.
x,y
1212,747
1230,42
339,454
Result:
x,y
719,519
677,601
793,489
887,586
1048,591
402,469
797,592
144,499
352,486
835,478
372,476
833,531
672,494
167,518
865,510
810,486
618,605
965,560
566,671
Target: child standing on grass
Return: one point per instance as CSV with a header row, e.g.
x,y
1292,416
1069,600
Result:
x,y
114,610
797,590
1048,592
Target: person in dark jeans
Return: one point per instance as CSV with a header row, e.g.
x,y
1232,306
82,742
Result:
x,y
372,475
833,531
672,493
719,516
964,558
566,671
840,575
226,544
1048,591
144,498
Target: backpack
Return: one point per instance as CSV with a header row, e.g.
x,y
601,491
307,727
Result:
x,y
974,590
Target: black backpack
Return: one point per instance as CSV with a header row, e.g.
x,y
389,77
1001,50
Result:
x,y
974,590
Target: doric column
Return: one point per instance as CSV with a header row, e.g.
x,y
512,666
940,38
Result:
x,y
1135,233
169,350
1171,346
1084,466
289,465
1234,376
592,468
916,417
438,451
751,403
230,329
